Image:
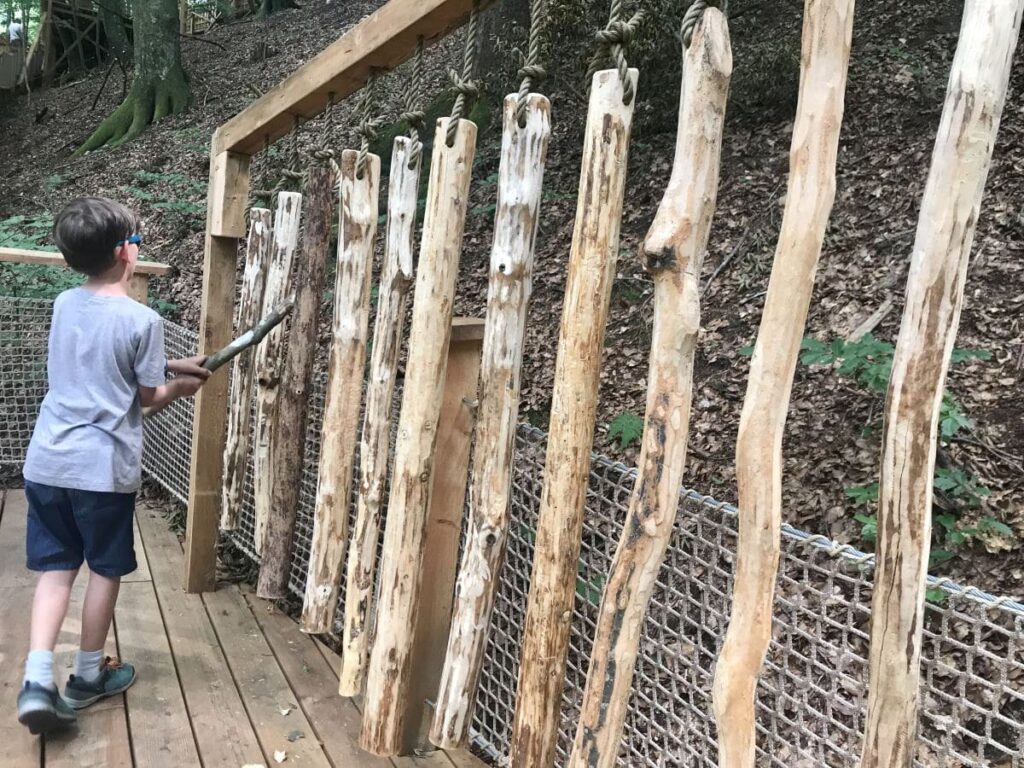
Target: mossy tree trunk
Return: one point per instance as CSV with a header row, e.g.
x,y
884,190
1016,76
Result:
x,y
115,14
160,86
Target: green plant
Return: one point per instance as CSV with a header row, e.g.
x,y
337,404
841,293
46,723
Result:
x,y
588,590
53,181
25,231
162,307
627,427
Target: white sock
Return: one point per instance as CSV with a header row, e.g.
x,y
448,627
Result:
x,y
39,668
88,664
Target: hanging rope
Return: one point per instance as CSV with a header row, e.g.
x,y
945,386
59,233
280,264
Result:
x,y
532,73
294,171
466,87
412,112
323,151
368,124
612,42
693,15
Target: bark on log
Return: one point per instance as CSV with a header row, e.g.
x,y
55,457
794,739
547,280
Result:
x,y
825,57
270,357
938,270
595,246
388,672
375,443
250,304
673,250
289,438
357,231
520,178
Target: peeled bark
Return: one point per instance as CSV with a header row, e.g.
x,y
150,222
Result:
x,y
289,437
828,26
270,357
236,448
520,179
357,231
375,443
595,246
935,288
387,681
674,251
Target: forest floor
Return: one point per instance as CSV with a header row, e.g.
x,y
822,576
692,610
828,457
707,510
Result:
x,y
900,63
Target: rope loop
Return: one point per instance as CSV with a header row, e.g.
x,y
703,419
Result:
x,y
466,88
412,111
368,125
612,42
532,73
694,14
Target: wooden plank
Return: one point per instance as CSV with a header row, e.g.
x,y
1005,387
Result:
x,y
222,729
138,288
334,720
54,259
142,572
264,687
380,42
18,748
441,541
157,716
228,194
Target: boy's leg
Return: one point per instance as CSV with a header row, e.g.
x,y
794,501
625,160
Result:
x,y
97,613
53,592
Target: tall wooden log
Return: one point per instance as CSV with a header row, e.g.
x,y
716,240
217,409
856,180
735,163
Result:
x,y
595,246
825,56
375,443
250,304
935,288
520,178
388,672
674,251
289,436
270,356
357,231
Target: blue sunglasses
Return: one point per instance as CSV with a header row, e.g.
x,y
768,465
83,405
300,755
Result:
x,y
133,240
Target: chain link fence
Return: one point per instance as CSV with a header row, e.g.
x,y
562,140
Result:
x,y
812,697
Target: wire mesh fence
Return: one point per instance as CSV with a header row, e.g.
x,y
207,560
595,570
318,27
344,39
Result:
x,y
812,697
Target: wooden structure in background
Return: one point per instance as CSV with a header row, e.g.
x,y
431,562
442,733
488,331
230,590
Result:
x,y
138,288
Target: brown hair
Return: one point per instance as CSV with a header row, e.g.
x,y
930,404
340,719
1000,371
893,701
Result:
x,y
88,230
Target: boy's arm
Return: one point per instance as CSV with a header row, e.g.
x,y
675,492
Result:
x,y
193,366
179,386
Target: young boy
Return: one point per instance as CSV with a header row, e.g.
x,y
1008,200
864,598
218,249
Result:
x,y
106,361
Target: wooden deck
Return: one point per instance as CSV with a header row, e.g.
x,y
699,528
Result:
x,y
224,679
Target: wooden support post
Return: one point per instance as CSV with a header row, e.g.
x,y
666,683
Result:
x,y
229,185
595,245
288,441
375,443
674,250
270,358
935,288
387,684
825,56
520,177
444,528
250,306
138,288
357,231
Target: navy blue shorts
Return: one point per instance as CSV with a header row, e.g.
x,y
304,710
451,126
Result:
x,y
67,527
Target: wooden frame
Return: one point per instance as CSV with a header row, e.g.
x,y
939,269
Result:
x,y
381,41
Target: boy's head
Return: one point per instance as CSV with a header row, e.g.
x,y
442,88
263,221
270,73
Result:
x,y
91,233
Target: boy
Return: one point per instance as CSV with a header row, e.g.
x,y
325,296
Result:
x,y
83,467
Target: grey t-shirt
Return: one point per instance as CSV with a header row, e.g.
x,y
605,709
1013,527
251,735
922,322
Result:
x,y
89,433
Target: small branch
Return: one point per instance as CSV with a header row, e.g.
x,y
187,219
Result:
x,y
202,39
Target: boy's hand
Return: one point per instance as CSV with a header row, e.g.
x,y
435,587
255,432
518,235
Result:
x,y
187,385
189,366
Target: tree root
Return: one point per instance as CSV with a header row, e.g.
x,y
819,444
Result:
x,y
148,101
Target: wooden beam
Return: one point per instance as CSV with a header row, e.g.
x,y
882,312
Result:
x,y
138,288
54,259
380,42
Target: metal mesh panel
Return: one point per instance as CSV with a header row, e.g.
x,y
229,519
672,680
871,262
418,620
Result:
x,y
812,697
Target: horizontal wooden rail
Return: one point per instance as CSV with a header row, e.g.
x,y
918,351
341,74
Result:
x,y
380,42
54,259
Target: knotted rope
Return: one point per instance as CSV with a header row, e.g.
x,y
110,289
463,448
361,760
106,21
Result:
x,y
412,113
612,42
532,73
465,86
368,124
693,15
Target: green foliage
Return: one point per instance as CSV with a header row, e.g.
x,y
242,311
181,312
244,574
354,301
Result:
x,y
172,193
162,307
862,494
961,486
32,281
50,183
627,427
25,231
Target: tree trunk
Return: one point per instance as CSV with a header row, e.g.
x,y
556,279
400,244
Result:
x,y
357,231
270,358
674,250
827,30
387,681
290,435
160,86
270,7
114,14
250,304
520,178
595,246
935,289
375,443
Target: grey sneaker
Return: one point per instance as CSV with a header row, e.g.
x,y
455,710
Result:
x,y
115,677
43,710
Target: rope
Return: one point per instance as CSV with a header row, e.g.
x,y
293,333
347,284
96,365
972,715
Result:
x,y
466,87
368,124
412,113
612,42
693,15
532,73
323,151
